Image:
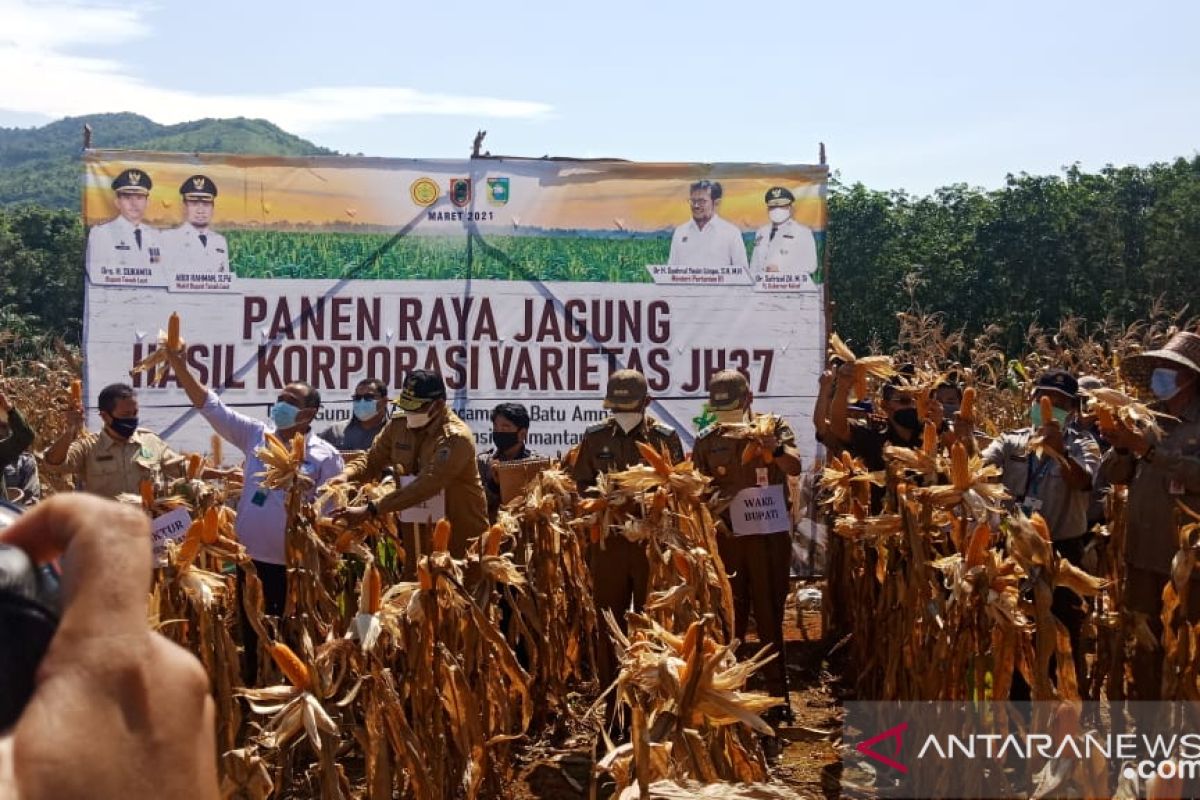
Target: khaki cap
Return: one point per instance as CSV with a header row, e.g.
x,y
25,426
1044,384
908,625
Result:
x,y
626,390
727,390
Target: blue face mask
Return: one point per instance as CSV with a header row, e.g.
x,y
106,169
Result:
x,y
365,409
1164,382
1035,415
284,415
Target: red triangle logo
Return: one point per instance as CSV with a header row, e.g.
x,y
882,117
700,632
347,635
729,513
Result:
x,y
891,733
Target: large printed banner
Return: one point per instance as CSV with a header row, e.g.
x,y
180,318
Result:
x,y
525,280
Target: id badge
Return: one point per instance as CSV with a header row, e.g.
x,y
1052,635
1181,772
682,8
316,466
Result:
x,y
1032,504
259,499
760,476
1175,487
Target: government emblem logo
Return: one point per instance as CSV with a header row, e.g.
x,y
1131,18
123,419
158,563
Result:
x,y
497,191
460,191
424,191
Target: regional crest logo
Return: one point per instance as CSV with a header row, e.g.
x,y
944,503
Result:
x,y
460,191
424,191
497,191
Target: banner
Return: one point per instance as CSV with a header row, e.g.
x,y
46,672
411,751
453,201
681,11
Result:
x,y
519,280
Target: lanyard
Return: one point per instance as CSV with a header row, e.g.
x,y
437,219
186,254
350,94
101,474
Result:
x,y
1034,477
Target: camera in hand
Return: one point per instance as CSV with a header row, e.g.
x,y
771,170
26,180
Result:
x,y
29,614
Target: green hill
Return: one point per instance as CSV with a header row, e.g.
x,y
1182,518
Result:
x,y
41,165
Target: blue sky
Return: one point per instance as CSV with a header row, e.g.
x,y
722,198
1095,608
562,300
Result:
x,y
905,95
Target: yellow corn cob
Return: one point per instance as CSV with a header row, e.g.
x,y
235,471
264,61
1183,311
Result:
x,y
654,459
967,409
1047,409
441,536
751,452
173,332
978,545
492,539
922,405
291,665
76,393
1105,419
682,565
1039,524
860,382
211,527
960,471
298,448
929,439
195,461
596,533
216,450
372,588
147,490
187,552
424,578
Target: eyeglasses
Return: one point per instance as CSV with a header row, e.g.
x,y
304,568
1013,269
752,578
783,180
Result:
x,y
358,397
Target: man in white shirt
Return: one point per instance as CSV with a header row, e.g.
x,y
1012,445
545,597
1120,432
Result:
x,y
261,523
194,247
706,240
783,246
125,251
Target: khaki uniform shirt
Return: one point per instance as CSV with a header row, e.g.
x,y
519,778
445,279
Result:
x,y
719,456
1172,475
109,468
442,457
607,448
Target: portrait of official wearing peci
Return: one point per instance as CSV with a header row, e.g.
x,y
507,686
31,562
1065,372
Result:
x,y
126,250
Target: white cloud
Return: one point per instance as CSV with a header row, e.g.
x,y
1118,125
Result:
x,y
43,77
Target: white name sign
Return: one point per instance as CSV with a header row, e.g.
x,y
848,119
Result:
x,y
760,510
430,511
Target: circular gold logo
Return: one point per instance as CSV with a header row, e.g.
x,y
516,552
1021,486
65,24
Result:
x,y
424,191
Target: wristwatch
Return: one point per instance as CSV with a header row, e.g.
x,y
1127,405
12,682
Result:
x,y
778,451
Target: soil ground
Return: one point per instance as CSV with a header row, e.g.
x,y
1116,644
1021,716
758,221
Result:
x,y
808,762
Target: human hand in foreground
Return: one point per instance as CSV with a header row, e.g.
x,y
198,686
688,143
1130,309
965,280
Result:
x,y
118,710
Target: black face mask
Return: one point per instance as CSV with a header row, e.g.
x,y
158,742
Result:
x,y
124,427
504,440
907,418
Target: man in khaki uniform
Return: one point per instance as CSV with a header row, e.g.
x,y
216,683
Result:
x,y
1164,479
756,543
116,460
619,567
430,442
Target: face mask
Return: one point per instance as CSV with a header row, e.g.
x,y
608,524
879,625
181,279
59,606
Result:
x,y
365,409
1164,382
1035,415
417,421
734,417
284,415
124,427
628,420
779,215
907,418
504,440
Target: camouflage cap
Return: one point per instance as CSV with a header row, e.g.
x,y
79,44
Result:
x,y
626,390
727,390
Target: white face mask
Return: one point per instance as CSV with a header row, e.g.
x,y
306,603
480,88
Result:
x,y
779,215
628,420
417,421
733,417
